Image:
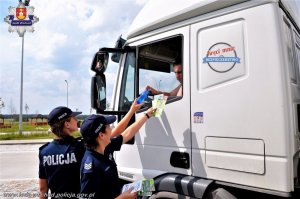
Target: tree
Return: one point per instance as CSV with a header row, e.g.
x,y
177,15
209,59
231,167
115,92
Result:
x,y
1,104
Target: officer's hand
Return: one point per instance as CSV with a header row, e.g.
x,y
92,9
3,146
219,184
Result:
x,y
135,106
127,195
151,111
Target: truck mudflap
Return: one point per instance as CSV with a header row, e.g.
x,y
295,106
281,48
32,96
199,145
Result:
x,y
194,187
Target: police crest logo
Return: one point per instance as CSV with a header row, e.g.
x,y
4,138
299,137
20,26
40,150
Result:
x,y
21,13
21,19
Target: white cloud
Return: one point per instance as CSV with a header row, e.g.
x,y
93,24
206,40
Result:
x,y
94,17
140,2
43,45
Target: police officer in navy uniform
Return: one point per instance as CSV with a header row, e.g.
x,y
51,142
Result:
x,y
59,167
99,174
59,160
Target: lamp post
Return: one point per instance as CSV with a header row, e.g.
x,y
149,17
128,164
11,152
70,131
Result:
x,y
67,92
21,92
158,85
23,14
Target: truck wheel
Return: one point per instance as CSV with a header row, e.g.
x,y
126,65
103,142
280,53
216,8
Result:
x,y
220,193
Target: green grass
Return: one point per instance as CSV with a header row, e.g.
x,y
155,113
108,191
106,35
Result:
x,y
37,132
26,127
41,135
16,136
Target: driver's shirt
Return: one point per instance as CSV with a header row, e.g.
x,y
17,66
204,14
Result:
x,y
177,91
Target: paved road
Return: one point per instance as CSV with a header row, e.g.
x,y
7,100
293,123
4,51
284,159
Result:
x,y
19,161
19,168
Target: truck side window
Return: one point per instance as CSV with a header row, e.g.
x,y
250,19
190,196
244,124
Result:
x,y
289,46
156,63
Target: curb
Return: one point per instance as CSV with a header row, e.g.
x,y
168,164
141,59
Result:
x,y
15,142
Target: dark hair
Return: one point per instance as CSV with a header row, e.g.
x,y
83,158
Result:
x,y
176,64
58,128
177,61
91,142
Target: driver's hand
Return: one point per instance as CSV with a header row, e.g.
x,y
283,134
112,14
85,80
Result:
x,y
152,90
135,106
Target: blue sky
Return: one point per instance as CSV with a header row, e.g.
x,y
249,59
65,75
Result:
x,y
61,48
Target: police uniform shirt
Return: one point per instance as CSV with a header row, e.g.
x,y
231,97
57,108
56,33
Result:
x,y
99,174
60,164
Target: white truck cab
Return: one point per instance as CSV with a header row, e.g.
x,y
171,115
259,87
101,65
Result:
x,y
236,124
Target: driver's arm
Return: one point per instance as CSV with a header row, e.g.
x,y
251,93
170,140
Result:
x,y
157,92
120,127
134,128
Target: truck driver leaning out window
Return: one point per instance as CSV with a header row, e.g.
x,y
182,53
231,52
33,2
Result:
x,y
178,70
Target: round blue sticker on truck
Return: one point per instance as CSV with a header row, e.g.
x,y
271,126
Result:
x,y
198,117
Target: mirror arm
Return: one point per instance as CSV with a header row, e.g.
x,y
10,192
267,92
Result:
x,y
112,112
118,50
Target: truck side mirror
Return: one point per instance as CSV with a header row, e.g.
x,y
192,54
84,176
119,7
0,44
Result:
x,y
100,61
98,92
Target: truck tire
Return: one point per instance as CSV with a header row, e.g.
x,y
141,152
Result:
x,y
168,195
221,193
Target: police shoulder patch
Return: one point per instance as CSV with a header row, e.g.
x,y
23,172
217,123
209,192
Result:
x,y
88,165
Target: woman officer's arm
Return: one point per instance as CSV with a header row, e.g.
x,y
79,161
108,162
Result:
x,y
121,126
43,183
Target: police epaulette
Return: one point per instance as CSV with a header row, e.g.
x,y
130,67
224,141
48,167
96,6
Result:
x,y
43,146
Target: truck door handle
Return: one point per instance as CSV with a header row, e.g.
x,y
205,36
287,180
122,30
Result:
x,y
180,159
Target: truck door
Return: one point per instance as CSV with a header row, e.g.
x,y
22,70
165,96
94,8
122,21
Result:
x,y
163,143
217,62
235,100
